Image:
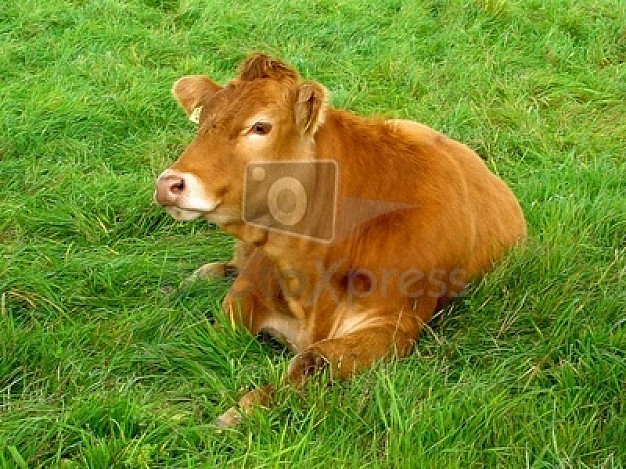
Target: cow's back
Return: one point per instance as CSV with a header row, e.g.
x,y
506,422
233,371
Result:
x,y
496,216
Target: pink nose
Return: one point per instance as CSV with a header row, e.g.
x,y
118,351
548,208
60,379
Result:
x,y
169,187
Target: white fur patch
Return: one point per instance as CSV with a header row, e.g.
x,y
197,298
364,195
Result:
x,y
352,319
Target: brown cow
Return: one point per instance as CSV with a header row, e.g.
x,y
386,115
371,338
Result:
x,y
353,231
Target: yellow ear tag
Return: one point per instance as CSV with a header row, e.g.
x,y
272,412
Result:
x,y
195,115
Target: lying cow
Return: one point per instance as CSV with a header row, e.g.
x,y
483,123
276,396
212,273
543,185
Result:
x,y
353,231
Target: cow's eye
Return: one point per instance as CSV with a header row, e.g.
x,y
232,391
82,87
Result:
x,y
261,128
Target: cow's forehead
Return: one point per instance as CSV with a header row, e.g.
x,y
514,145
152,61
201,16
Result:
x,y
240,99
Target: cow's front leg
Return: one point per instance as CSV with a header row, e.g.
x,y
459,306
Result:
x,y
253,299
358,350
255,296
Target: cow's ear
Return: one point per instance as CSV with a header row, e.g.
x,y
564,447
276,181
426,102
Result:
x,y
260,65
310,108
190,90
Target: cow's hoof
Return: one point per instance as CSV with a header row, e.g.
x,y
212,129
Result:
x,y
209,272
259,397
304,365
229,419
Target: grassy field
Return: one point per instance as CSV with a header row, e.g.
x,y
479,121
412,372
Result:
x,y
108,360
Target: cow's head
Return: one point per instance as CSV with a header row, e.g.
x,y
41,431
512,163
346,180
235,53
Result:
x,y
267,113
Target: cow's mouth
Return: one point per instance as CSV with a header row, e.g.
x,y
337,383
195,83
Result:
x,y
193,208
182,214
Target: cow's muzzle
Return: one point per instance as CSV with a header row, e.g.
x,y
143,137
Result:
x,y
170,186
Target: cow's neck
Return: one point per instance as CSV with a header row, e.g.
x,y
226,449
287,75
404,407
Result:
x,y
286,250
367,149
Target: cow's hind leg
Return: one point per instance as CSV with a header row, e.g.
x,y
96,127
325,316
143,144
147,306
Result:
x,y
344,355
358,350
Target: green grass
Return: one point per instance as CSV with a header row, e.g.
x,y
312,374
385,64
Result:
x,y
106,361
